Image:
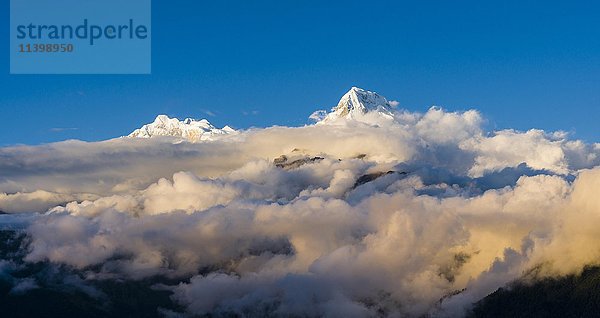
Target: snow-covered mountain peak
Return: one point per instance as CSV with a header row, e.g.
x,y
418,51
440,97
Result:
x,y
189,128
356,104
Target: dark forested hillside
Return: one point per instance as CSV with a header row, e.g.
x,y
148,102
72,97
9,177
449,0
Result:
x,y
570,296
47,290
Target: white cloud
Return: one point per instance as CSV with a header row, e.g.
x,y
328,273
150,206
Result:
x,y
378,217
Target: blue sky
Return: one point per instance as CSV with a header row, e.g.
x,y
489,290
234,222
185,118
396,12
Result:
x,y
523,64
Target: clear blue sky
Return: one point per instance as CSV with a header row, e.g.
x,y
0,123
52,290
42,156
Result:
x,y
260,63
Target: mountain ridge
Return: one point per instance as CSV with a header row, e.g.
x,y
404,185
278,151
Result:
x,y
355,105
189,129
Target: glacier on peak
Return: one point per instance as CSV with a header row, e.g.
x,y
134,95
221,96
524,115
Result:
x,y
189,129
357,104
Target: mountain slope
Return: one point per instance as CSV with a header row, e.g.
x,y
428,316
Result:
x,y
568,296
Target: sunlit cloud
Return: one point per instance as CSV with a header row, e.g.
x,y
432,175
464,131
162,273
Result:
x,y
407,214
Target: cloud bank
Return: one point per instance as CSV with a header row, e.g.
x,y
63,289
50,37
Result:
x,y
419,214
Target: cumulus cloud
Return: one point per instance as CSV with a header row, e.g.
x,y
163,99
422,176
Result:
x,y
423,214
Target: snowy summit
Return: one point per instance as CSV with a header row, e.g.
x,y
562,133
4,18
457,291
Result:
x,y
356,104
190,129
